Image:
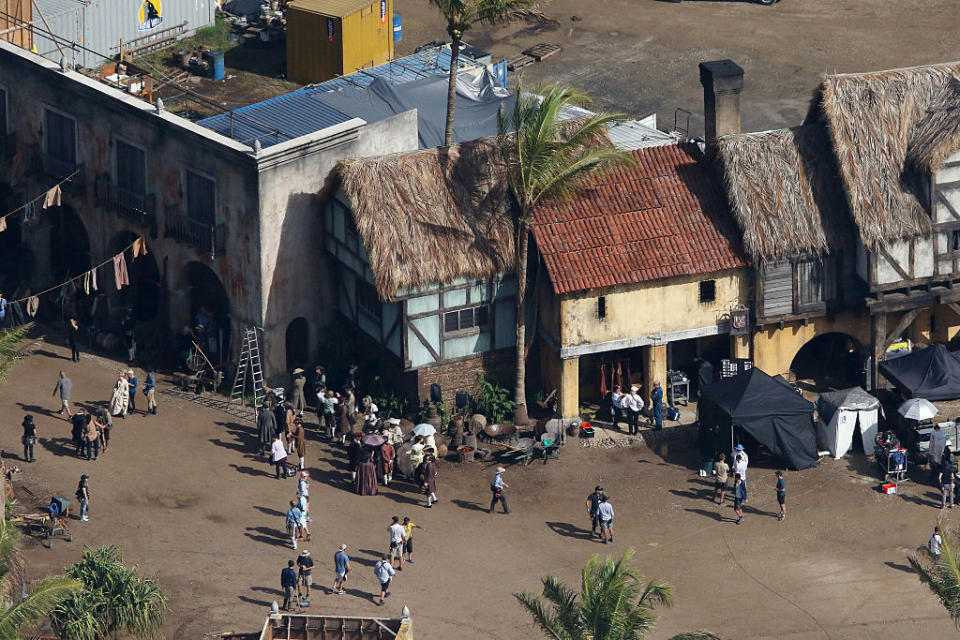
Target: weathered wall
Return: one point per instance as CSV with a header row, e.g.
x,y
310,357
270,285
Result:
x,y
463,374
650,308
775,348
296,278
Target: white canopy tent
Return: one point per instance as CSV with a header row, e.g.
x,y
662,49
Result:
x,y
840,412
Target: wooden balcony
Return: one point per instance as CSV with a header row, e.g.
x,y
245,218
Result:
x,y
55,170
141,209
211,238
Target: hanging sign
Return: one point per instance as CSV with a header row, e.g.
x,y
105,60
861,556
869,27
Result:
x,y
383,11
331,30
739,322
149,15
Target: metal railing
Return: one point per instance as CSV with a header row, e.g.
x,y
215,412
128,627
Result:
x,y
56,170
182,228
139,208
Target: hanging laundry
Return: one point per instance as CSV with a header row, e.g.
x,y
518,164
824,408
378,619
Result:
x,y
30,211
93,278
139,247
33,303
86,283
120,275
52,199
3,223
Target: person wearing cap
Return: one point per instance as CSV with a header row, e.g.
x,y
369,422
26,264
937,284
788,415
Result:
x,y
288,582
341,567
384,571
29,439
297,398
740,451
83,496
593,504
132,383
656,403
305,569
430,480
303,484
633,405
328,406
303,504
605,516
496,488
393,432
388,456
293,518
408,527
150,390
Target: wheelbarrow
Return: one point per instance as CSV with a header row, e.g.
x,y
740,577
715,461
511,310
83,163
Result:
x,y
521,452
549,447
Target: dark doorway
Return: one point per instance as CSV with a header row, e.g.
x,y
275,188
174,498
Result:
x,y
69,243
16,258
298,344
209,310
142,296
830,361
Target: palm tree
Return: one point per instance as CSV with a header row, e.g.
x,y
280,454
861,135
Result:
x,y
547,157
16,617
113,600
613,604
461,15
942,577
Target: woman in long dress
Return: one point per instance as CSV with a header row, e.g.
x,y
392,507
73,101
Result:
x,y
120,401
367,477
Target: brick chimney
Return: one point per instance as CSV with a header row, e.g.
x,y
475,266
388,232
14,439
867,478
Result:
x,y
722,82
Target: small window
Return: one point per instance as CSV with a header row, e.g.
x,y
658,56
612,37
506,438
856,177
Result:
x,y
367,299
201,198
478,317
61,138
955,240
602,307
131,169
708,290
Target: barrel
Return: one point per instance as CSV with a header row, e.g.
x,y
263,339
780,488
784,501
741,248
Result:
x,y
397,27
215,59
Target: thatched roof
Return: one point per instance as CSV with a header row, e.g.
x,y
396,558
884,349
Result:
x,y
785,192
430,216
883,126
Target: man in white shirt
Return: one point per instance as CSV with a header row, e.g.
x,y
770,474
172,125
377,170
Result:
x,y
397,539
633,404
384,572
934,543
739,451
740,468
278,455
617,400
605,515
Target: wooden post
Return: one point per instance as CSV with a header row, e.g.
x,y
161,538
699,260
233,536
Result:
x,y
878,342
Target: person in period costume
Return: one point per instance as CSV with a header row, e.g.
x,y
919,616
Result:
x,y
297,399
343,422
266,428
300,440
430,480
120,401
367,478
388,456
353,454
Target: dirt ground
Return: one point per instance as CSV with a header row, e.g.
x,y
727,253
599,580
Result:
x,y
188,500
640,56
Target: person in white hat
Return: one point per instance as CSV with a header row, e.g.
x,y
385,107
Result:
x,y
305,570
341,564
297,398
739,451
496,488
633,405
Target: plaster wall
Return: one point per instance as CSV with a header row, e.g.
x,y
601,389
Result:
x,y
650,309
775,348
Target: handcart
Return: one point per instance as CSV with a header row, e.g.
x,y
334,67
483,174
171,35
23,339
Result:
x,y
678,388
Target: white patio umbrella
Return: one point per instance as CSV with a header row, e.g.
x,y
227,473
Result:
x,y
424,429
917,409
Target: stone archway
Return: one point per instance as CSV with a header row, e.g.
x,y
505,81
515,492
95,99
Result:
x,y
831,360
209,307
298,344
142,296
69,242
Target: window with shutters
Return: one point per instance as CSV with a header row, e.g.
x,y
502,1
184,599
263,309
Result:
x,y
60,141
131,169
816,281
201,198
470,319
368,301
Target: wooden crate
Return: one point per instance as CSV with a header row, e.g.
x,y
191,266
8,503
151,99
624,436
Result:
x,y
519,61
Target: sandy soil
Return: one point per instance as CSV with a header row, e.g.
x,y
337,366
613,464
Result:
x,y
640,56
190,502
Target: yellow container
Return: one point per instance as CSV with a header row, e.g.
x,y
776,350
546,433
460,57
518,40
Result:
x,y
330,38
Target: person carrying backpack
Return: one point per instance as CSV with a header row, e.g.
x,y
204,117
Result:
x,y
384,571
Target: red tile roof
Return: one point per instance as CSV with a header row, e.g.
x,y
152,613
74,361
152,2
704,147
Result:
x,y
664,217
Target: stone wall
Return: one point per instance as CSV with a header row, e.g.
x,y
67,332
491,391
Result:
x,y
498,366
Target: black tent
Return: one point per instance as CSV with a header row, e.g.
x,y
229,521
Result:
x,y
932,373
768,409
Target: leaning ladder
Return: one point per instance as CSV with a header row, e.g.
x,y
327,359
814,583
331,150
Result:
x,y
249,366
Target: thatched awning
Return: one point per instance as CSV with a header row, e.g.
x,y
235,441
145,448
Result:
x,y
785,192
883,126
430,216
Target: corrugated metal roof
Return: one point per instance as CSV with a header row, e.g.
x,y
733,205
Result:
x,y
336,8
299,113
632,134
53,8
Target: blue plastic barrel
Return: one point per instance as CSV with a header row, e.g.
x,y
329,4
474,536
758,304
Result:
x,y
215,60
397,27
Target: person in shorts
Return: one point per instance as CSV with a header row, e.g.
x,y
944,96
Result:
x,y
739,496
722,470
398,539
341,566
781,495
305,566
384,572
605,515
408,527
288,582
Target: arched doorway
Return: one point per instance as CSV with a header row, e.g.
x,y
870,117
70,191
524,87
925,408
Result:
x,y
209,310
69,243
830,361
16,256
298,343
142,296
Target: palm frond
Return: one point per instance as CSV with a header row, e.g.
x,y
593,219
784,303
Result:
x,y
30,611
547,621
496,11
943,577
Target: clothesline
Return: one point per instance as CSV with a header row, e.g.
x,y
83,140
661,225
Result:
x,y
78,277
39,197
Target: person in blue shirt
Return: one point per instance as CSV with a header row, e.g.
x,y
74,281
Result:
x,y
150,390
496,488
132,382
288,581
739,497
782,495
656,403
294,516
341,563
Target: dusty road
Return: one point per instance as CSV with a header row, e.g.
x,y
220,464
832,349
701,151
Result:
x,y
189,502
640,56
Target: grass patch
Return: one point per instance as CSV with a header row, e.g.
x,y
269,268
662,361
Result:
x,y
216,37
10,352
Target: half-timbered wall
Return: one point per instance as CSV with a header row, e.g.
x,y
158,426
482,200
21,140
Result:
x,y
903,261
945,204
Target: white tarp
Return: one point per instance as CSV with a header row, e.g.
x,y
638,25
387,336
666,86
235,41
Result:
x,y
837,435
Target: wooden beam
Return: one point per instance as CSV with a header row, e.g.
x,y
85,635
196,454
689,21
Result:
x,y
943,200
893,263
878,334
905,321
424,342
953,306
